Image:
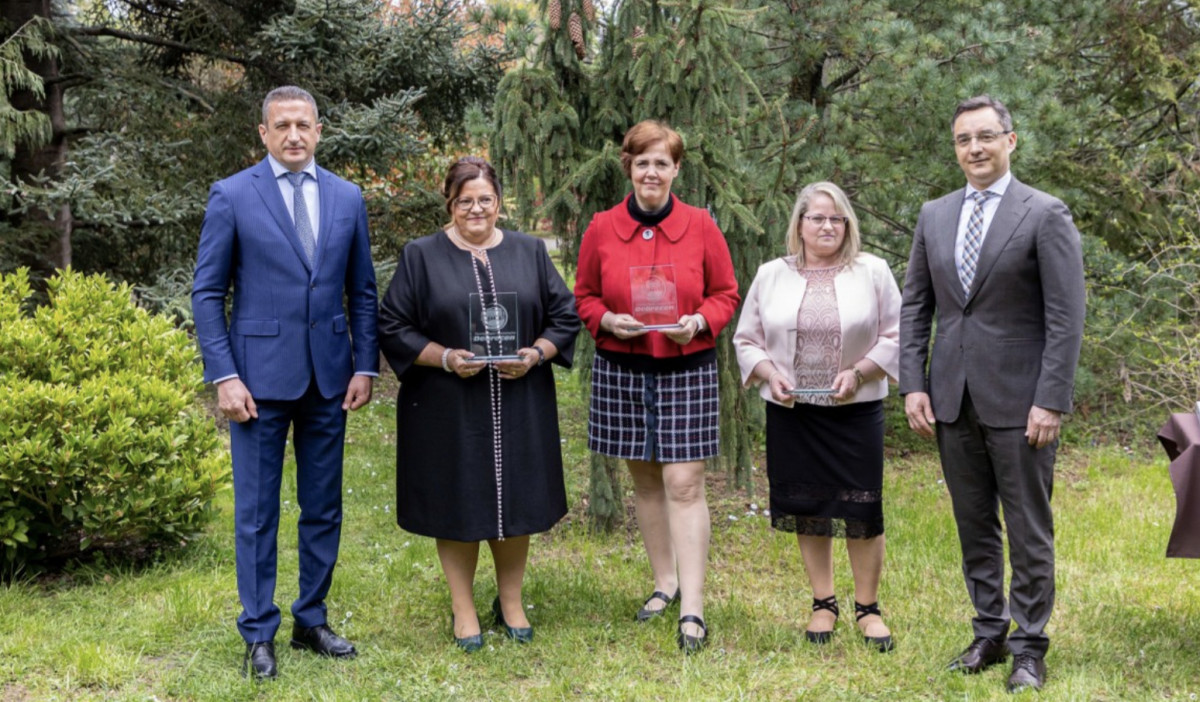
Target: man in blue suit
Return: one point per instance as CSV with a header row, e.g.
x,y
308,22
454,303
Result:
x,y
291,238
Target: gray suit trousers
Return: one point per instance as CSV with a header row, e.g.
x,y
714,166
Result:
x,y
987,468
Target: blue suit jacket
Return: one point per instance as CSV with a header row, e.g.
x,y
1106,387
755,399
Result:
x,y
288,323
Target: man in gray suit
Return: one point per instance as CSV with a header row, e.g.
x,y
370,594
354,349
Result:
x,y
1000,264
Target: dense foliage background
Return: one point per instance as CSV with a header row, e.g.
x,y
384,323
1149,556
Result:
x,y
115,116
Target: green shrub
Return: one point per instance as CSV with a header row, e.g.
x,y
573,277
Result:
x,y
103,441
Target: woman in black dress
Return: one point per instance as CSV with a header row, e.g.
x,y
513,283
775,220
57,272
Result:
x,y
478,456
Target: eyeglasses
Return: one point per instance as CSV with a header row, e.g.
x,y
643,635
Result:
x,y
819,220
984,138
466,204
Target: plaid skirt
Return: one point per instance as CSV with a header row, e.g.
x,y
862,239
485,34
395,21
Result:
x,y
667,417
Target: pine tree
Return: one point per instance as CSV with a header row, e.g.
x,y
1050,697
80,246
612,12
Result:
x,y
558,127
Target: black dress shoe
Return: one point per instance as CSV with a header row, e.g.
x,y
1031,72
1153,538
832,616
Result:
x,y
260,657
322,641
692,644
980,655
1027,671
520,635
645,615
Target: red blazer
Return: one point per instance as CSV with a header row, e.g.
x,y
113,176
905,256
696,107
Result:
x,y
690,240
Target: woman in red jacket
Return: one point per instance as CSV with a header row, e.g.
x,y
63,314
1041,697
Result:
x,y
655,286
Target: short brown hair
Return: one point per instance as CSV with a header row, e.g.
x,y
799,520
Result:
x,y
645,134
978,103
465,170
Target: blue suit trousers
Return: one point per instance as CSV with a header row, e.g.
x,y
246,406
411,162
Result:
x,y
318,428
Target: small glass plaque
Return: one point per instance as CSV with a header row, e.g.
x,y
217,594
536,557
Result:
x,y
493,326
798,392
652,291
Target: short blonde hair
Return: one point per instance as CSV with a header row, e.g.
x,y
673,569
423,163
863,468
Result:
x,y
851,245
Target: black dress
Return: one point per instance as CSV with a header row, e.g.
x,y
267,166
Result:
x,y
448,485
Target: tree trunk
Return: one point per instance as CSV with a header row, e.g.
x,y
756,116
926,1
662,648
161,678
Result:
x,y
45,160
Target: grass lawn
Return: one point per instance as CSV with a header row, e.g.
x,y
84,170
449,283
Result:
x,y
1125,627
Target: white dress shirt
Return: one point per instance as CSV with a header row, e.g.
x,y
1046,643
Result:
x,y
312,196
989,210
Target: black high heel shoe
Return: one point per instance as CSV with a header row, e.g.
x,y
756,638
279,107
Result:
x,y
829,604
520,635
692,644
469,644
882,643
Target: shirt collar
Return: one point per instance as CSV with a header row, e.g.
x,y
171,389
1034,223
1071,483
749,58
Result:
x,y
279,169
997,188
674,226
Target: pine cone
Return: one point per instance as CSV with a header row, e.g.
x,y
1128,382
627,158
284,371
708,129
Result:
x,y
589,10
554,14
575,29
638,33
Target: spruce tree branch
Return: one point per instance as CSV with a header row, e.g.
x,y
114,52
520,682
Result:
x,y
158,41
890,221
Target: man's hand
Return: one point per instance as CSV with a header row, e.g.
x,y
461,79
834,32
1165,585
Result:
x,y
359,392
235,402
1043,426
920,413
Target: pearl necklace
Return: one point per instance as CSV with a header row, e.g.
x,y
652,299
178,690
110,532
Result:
x,y
479,251
494,382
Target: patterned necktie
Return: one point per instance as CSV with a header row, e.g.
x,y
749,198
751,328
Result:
x,y
304,228
972,241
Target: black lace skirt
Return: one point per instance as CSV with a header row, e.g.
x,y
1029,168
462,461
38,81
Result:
x,y
825,467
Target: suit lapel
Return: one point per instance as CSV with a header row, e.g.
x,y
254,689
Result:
x,y
1009,213
268,190
946,226
328,202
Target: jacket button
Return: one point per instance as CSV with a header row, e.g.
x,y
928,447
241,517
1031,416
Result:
x,y
312,325
967,312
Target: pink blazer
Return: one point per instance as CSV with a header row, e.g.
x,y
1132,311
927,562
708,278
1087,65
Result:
x,y
868,306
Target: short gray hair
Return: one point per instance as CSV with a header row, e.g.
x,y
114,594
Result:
x,y
289,92
978,103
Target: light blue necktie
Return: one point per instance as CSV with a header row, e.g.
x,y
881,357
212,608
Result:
x,y
972,241
304,228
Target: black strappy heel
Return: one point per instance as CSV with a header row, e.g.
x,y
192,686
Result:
x,y
828,604
883,643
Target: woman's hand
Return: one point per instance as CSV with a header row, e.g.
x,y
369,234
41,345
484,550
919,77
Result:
x,y
459,362
511,370
689,326
779,387
845,384
623,326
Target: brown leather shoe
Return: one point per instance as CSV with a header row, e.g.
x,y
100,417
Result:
x,y
1027,671
980,655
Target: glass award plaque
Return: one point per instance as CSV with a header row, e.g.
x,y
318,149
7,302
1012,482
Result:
x,y
652,291
493,326
799,392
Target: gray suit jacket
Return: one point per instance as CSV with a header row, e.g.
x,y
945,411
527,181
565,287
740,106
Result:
x,y
1014,339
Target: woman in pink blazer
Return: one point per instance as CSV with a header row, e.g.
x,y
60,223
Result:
x,y
819,335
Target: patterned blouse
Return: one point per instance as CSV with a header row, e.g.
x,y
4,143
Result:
x,y
818,335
